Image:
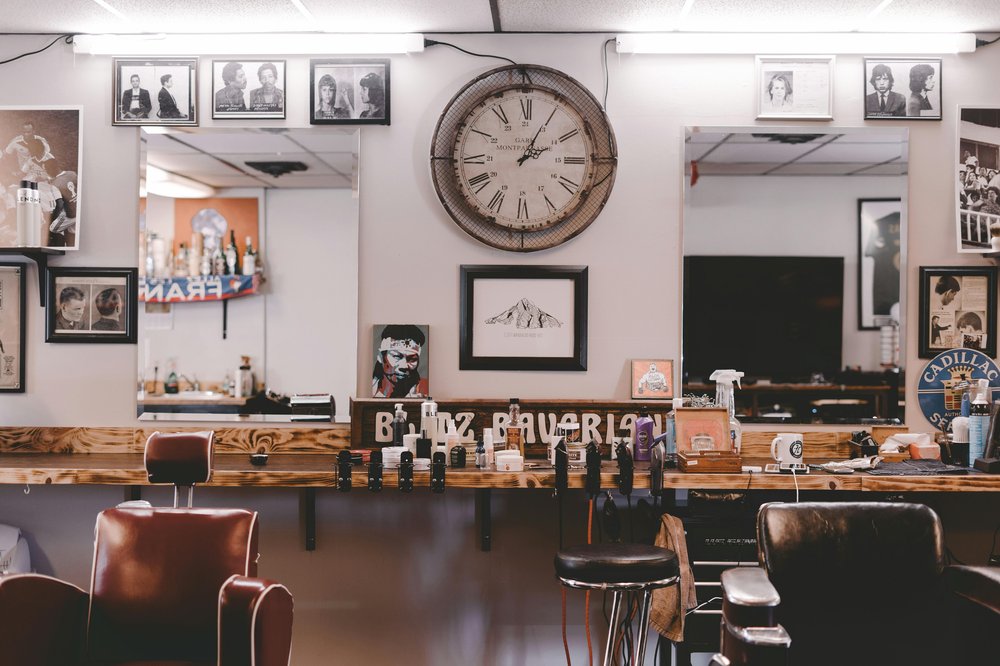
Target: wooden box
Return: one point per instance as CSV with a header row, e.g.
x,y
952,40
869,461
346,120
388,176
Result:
x,y
706,462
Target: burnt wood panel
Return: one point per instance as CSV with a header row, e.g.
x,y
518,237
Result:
x,y
66,440
266,439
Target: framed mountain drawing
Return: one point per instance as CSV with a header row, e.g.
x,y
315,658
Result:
x,y
523,318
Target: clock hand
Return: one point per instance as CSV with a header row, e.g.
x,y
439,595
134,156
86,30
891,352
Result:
x,y
531,146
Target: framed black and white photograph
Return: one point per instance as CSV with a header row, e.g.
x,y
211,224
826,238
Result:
x,y
798,87
348,91
12,317
902,88
523,318
96,305
248,89
155,91
977,190
42,145
878,262
958,308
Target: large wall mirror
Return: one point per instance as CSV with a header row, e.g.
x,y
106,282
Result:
x,y
291,195
794,270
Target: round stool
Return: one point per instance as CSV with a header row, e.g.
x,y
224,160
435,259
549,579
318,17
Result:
x,y
619,567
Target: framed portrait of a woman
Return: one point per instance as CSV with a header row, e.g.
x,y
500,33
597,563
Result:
x,y
798,87
348,91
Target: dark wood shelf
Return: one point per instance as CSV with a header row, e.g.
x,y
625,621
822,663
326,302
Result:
x,y
40,255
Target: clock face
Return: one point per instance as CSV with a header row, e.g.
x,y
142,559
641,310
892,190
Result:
x,y
524,158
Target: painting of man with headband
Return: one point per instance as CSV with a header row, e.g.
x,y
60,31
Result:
x,y
400,369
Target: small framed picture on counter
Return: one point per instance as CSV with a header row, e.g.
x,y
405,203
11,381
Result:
x,y
95,305
958,308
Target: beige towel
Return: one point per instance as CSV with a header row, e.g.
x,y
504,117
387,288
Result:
x,y
670,604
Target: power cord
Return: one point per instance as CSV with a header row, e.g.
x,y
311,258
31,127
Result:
x,y
433,42
607,75
994,560
67,37
796,480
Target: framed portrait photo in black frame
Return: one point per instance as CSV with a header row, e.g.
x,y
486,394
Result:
x,y
897,88
93,305
878,262
12,317
154,91
523,318
349,91
958,308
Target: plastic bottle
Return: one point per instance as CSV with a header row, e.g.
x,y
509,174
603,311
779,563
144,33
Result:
x,y
450,440
514,440
480,455
979,426
399,425
724,397
37,219
24,214
488,446
429,419
643,436
670,428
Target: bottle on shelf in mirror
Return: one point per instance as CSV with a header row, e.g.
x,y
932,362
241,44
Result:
x,y
249,259
219,266
181,262
232,255
194,255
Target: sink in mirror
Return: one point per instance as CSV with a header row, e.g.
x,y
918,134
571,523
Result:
x,y
794,270
289,306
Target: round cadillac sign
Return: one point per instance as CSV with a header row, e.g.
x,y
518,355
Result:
x,y
944,378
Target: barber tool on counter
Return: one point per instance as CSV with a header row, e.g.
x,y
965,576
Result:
x,y
405,478
375,471
561,483
344,471
593,482
656,458
437,472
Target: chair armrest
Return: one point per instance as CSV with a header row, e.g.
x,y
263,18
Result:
x,y
748,598
979,585
43,620
255,622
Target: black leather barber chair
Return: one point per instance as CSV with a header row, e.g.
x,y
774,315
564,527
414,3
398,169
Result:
x,y
171,586
859,583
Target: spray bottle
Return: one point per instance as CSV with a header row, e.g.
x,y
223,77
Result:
x,y
398,425
724,397
979,421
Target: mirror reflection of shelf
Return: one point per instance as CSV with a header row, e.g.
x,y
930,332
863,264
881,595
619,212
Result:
x,y
197,289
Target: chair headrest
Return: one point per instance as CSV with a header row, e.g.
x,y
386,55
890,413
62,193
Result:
x,y
180,458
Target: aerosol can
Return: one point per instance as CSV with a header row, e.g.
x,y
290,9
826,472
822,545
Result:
x,y
724,397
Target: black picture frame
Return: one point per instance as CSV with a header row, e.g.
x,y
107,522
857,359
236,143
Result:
x,y
974,300
349,74
254,106
12,302
89,322
184,88
879,260
912,103
564,292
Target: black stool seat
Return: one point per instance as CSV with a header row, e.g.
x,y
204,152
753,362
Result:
x,y
616,563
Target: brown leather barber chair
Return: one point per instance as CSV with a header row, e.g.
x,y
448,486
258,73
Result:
x,y
859,583
170,586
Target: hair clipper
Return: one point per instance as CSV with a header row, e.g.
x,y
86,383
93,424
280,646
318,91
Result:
x,y
344,471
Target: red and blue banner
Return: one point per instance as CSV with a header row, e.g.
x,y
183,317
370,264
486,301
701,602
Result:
x,y
196,289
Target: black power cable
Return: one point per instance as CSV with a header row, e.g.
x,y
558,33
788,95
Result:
x,y
68,38
433,42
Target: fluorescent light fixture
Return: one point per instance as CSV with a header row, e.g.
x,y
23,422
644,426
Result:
x,y
167,184
307,43
803,43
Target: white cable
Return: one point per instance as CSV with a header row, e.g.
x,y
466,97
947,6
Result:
x,y
796,479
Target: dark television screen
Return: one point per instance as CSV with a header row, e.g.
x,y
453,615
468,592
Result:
x,y
771,317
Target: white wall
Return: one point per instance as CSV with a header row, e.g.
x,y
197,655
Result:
x,y
410,252
795,217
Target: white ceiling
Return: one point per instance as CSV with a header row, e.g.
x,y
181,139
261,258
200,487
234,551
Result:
x,y
218,157
438,16
772,153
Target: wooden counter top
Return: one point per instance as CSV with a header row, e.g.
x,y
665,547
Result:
x,y
317,470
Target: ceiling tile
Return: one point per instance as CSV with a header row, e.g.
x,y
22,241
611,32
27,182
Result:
x,y
588,15
401,15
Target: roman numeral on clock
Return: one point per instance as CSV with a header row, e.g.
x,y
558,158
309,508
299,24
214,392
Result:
x,y
569,185
480,159
573,160
569,135
522,209
482,180
496,202
526,108
500,114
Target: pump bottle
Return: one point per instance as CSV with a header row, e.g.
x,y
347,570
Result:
x,y
398,425
724,397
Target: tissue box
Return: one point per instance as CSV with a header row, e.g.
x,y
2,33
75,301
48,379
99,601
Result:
x,y
925,451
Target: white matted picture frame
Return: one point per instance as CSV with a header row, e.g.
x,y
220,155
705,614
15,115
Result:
x,y
902,88
12,318
154,91
43,145
523,318
795,87
977,187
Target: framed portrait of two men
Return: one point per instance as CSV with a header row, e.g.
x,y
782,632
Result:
x,y
898,88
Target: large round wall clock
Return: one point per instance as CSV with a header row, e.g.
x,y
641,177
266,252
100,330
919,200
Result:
x,y
523,158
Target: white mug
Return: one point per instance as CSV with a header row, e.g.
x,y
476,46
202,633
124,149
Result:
x,y
787,447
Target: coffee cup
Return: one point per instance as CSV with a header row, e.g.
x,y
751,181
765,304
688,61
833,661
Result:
x,y
787,447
